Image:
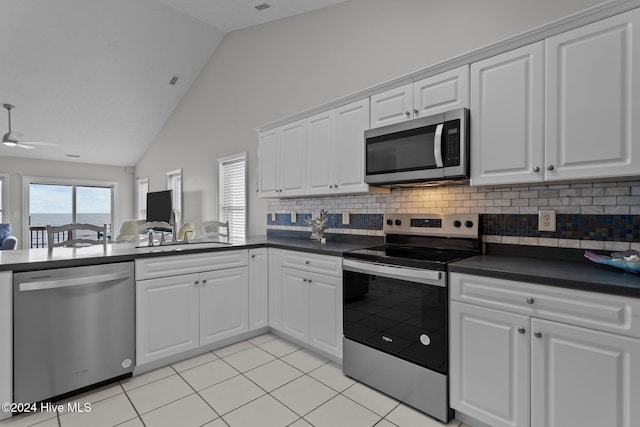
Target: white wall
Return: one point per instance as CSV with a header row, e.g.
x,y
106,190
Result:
x,y
17,167
263,73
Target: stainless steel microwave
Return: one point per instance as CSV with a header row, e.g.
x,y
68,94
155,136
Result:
x,y
423,150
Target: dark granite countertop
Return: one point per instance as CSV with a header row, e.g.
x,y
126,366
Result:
x,y
39,259
567,273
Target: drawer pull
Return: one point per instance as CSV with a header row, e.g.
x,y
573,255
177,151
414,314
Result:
x,y
305,280
197,282
529,300
307,262
537,334
521,330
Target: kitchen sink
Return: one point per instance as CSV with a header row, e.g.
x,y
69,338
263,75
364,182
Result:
x,y
179,246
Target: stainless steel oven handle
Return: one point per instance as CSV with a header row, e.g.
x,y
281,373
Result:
x,y
437,146
75,281
417,275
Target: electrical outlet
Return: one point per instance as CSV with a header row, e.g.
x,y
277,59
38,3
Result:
x,y
294,217
546,220
273,216
346,217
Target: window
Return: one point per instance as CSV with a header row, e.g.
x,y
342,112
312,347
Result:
x,y
143,189
51,201
4,198
233,193
174,182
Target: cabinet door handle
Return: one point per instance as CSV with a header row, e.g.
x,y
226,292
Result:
x,y
335,186
550,167
415,111
407,113
253,256
521,330
331,186
530,300
204,281
309,280
537,334
304,279
197,282
536,169
307,262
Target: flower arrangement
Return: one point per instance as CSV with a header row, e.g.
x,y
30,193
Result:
x,y
318,225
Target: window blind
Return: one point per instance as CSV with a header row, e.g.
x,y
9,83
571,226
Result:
x,y
174,182
233,194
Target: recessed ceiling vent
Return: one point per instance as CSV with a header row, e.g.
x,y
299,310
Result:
x,y
262,6
173,80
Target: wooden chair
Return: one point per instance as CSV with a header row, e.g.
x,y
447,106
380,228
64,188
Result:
x,y
211,229
71,237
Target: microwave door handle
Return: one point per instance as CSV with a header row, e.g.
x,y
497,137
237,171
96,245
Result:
x,y
437,146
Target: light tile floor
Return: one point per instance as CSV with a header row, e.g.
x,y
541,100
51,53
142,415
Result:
x,y
264,381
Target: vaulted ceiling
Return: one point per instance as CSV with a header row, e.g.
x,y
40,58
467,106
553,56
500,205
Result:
x,y
94,76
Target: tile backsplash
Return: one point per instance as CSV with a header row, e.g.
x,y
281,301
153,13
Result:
x,y
590,215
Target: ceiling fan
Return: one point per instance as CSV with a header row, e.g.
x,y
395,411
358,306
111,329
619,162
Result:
x,y
11,138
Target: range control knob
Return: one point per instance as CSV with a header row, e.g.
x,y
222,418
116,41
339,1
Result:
x,y
468,224
389,222
457,224
398,222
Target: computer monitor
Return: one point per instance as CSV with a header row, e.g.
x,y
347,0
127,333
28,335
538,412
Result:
x,y
160,206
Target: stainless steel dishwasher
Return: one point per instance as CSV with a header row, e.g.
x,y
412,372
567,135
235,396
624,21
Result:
x,y
73,327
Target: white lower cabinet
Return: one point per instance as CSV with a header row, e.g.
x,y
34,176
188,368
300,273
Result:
x,y
178,313
489,373
325,312
258,288
511,367
310,301
582,377
166,317
295,304
275,288
224,304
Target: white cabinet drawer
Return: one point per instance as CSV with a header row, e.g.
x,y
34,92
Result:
x,y
173,265
324,264
604,312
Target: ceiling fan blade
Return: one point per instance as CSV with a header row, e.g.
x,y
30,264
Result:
x,y
39,143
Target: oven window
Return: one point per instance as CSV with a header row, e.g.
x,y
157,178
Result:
x,y
402,151
402,318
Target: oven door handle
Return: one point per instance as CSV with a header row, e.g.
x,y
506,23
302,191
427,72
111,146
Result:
x,y
417,275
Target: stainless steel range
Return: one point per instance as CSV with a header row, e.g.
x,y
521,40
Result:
x,y
395,302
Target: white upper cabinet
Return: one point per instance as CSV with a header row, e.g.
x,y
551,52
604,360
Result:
x,y
507,127
320,152
268,154
351,122
593,100
282,153
560,109
335,152
433,95
437,94
292,146
392,106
